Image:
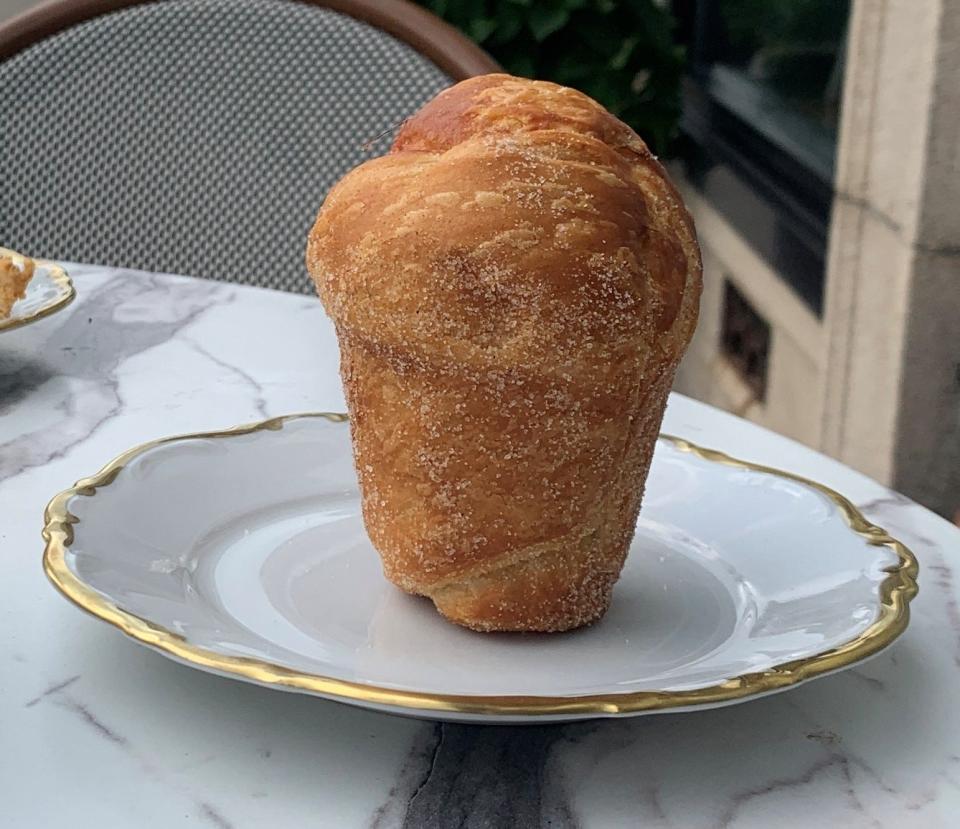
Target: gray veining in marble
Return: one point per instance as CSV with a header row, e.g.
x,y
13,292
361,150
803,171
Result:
x,y
93,397
479,776
56,688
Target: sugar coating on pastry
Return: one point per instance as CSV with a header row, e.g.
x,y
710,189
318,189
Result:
x,y
16,271
512,286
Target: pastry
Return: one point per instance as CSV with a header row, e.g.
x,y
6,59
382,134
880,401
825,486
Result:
x,y
15,272
512,287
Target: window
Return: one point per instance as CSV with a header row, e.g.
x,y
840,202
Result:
x,y
761,111
778,64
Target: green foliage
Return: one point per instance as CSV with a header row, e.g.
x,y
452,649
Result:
x,y
621,53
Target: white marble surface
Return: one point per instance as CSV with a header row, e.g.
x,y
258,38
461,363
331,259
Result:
x,y
95,730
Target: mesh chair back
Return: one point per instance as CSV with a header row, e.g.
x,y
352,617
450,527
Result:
x,y
196,136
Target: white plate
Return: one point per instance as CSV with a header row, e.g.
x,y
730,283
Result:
x,y
243,553
49,291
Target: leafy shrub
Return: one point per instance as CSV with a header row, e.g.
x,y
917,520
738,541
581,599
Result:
x,y
621,53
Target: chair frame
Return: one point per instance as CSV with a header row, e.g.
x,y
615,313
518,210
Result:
x,y
452,52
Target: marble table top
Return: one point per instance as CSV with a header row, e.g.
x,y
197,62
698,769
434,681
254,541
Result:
x,y
98,731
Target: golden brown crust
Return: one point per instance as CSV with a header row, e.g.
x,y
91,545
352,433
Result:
x,y
512,287
15,273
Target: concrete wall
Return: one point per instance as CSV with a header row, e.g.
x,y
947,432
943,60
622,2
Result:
x,y
792,405
893,310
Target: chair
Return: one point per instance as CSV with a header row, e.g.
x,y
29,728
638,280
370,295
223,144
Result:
x,y
200,136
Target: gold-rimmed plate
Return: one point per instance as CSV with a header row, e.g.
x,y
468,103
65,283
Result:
x,y
49,291
243,553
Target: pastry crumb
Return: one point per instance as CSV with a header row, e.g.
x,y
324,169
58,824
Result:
x,y
16,271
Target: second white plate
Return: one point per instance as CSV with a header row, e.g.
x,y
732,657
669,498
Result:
x,y
244,553
50,290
